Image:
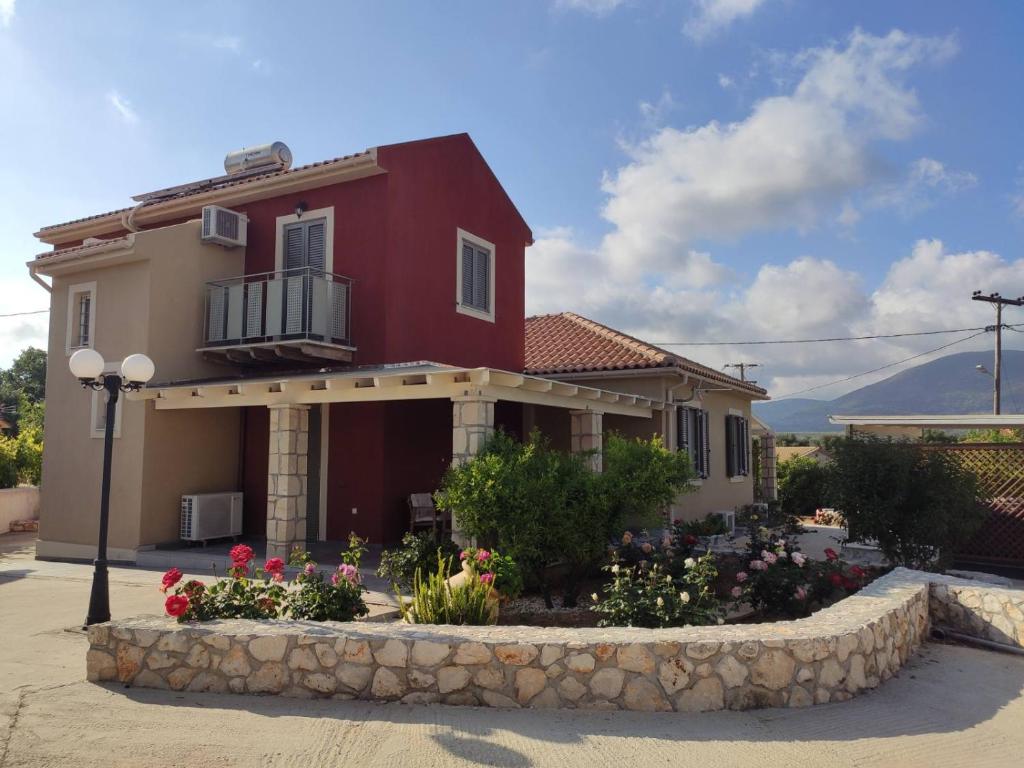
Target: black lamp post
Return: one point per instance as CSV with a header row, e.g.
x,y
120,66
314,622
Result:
x,y
87,366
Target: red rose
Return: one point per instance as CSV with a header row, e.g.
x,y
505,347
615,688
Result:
x,y
690,539
859,572
176,605
849,583
831,554
274,566
836,579
241,555
169,579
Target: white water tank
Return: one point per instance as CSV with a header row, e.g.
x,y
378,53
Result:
x,y
274,156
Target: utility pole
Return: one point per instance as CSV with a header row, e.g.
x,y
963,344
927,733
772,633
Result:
x,y
743,369
999,302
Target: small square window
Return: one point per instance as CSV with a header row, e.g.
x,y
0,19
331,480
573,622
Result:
x,y
475,284
81,316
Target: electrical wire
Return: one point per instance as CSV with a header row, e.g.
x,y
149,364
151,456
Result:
x,y
880,368
19,314
835,338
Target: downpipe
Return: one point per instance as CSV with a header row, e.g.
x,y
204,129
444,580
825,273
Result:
x,y
945,633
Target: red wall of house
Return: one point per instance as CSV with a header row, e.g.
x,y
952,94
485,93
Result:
x,y
355,471
255,426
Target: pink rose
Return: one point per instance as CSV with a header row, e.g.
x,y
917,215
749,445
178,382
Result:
x,y
463,555
758,565
349,573
486,578
646,548
736,591
800,594
769,557
741,576
310,569
799,559
483,556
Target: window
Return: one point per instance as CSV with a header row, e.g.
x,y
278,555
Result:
x,y
81,316
305,245
693,436
98,419
475,287
737,446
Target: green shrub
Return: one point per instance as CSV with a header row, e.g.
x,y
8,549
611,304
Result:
x,y
8,462
649,597
500,571
418,551
436,601
541,507
802,486
917,502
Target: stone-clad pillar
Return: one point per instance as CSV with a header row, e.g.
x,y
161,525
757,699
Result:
x,y
472,424
588,435
286,479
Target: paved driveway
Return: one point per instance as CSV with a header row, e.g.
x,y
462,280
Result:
x,y
951,706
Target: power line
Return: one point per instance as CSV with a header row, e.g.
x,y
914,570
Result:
x,y
881,368
814,341
19,314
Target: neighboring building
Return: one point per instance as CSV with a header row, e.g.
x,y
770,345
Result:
x,y
707,414
368,334
814,452
916,425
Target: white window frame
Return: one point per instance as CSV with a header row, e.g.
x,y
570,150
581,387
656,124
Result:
x,y
465,309
74,291
99,404
320,213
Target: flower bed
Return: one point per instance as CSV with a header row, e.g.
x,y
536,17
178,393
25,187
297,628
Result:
x,y
827,657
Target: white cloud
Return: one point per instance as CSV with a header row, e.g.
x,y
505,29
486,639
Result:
x,y
1017,199
123,107
799,159
655,113
593,7
724,81
6,12
20,331
712,16
227,43
925,180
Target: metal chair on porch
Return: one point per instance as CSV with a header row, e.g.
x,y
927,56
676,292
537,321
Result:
x,y
423,514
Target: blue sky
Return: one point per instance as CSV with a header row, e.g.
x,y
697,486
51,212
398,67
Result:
x,y
708,169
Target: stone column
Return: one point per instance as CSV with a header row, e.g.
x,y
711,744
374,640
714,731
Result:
x,y
286,479
472,424
588,435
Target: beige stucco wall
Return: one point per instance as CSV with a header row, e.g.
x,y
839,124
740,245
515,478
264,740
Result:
x,y
714,494
150,300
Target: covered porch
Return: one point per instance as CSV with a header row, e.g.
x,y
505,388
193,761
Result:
x,y
337,442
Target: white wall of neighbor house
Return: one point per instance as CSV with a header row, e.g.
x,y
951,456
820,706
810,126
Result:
x,y
150,299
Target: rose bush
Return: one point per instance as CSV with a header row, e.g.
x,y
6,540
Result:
x,y
500,571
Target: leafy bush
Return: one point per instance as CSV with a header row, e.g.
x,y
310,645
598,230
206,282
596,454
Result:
x,y
802,486
779,580
709,525
8,462
436,601
541,507
917,502
829,516
418,551
21,457
500,571
261,593
648,596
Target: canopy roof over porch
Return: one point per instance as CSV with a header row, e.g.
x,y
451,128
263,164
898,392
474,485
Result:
x,y
402,381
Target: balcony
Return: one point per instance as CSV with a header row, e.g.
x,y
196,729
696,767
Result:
x,y
298,315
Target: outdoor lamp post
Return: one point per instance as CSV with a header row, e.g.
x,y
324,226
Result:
x,y
87,366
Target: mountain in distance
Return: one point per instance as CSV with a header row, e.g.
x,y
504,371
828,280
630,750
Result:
x,y
947,385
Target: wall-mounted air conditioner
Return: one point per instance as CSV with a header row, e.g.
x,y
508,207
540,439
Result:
x,y
730,519
206,516
223,226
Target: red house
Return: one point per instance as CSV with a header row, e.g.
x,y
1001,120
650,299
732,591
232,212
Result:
x,y
328,339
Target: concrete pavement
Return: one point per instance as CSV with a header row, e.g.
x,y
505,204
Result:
x,y
951,706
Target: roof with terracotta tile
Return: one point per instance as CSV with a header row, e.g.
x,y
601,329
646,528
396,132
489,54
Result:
x,y
568,343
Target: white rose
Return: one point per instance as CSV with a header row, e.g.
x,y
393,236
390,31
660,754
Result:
x,y
684,596
615,568
594,597
661,602
689,562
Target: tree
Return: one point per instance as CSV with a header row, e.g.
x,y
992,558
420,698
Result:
x,y
919,503
802,486
24,382
791,439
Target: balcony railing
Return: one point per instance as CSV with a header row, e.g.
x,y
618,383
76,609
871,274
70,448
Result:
x,y
293,305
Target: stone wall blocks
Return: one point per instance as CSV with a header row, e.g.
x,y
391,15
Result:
x,y
429,654
519,654
451,679
636,658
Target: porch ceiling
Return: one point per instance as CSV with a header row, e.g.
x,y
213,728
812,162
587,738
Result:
x,y
396,382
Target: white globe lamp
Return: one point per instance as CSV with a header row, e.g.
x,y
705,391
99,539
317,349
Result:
x,y
137,369
86,364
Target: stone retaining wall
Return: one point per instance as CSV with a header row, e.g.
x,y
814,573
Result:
x,y
831,656
978,609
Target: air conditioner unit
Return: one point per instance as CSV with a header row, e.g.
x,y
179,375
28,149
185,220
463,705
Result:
x,y
730,519
206,516
223,226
